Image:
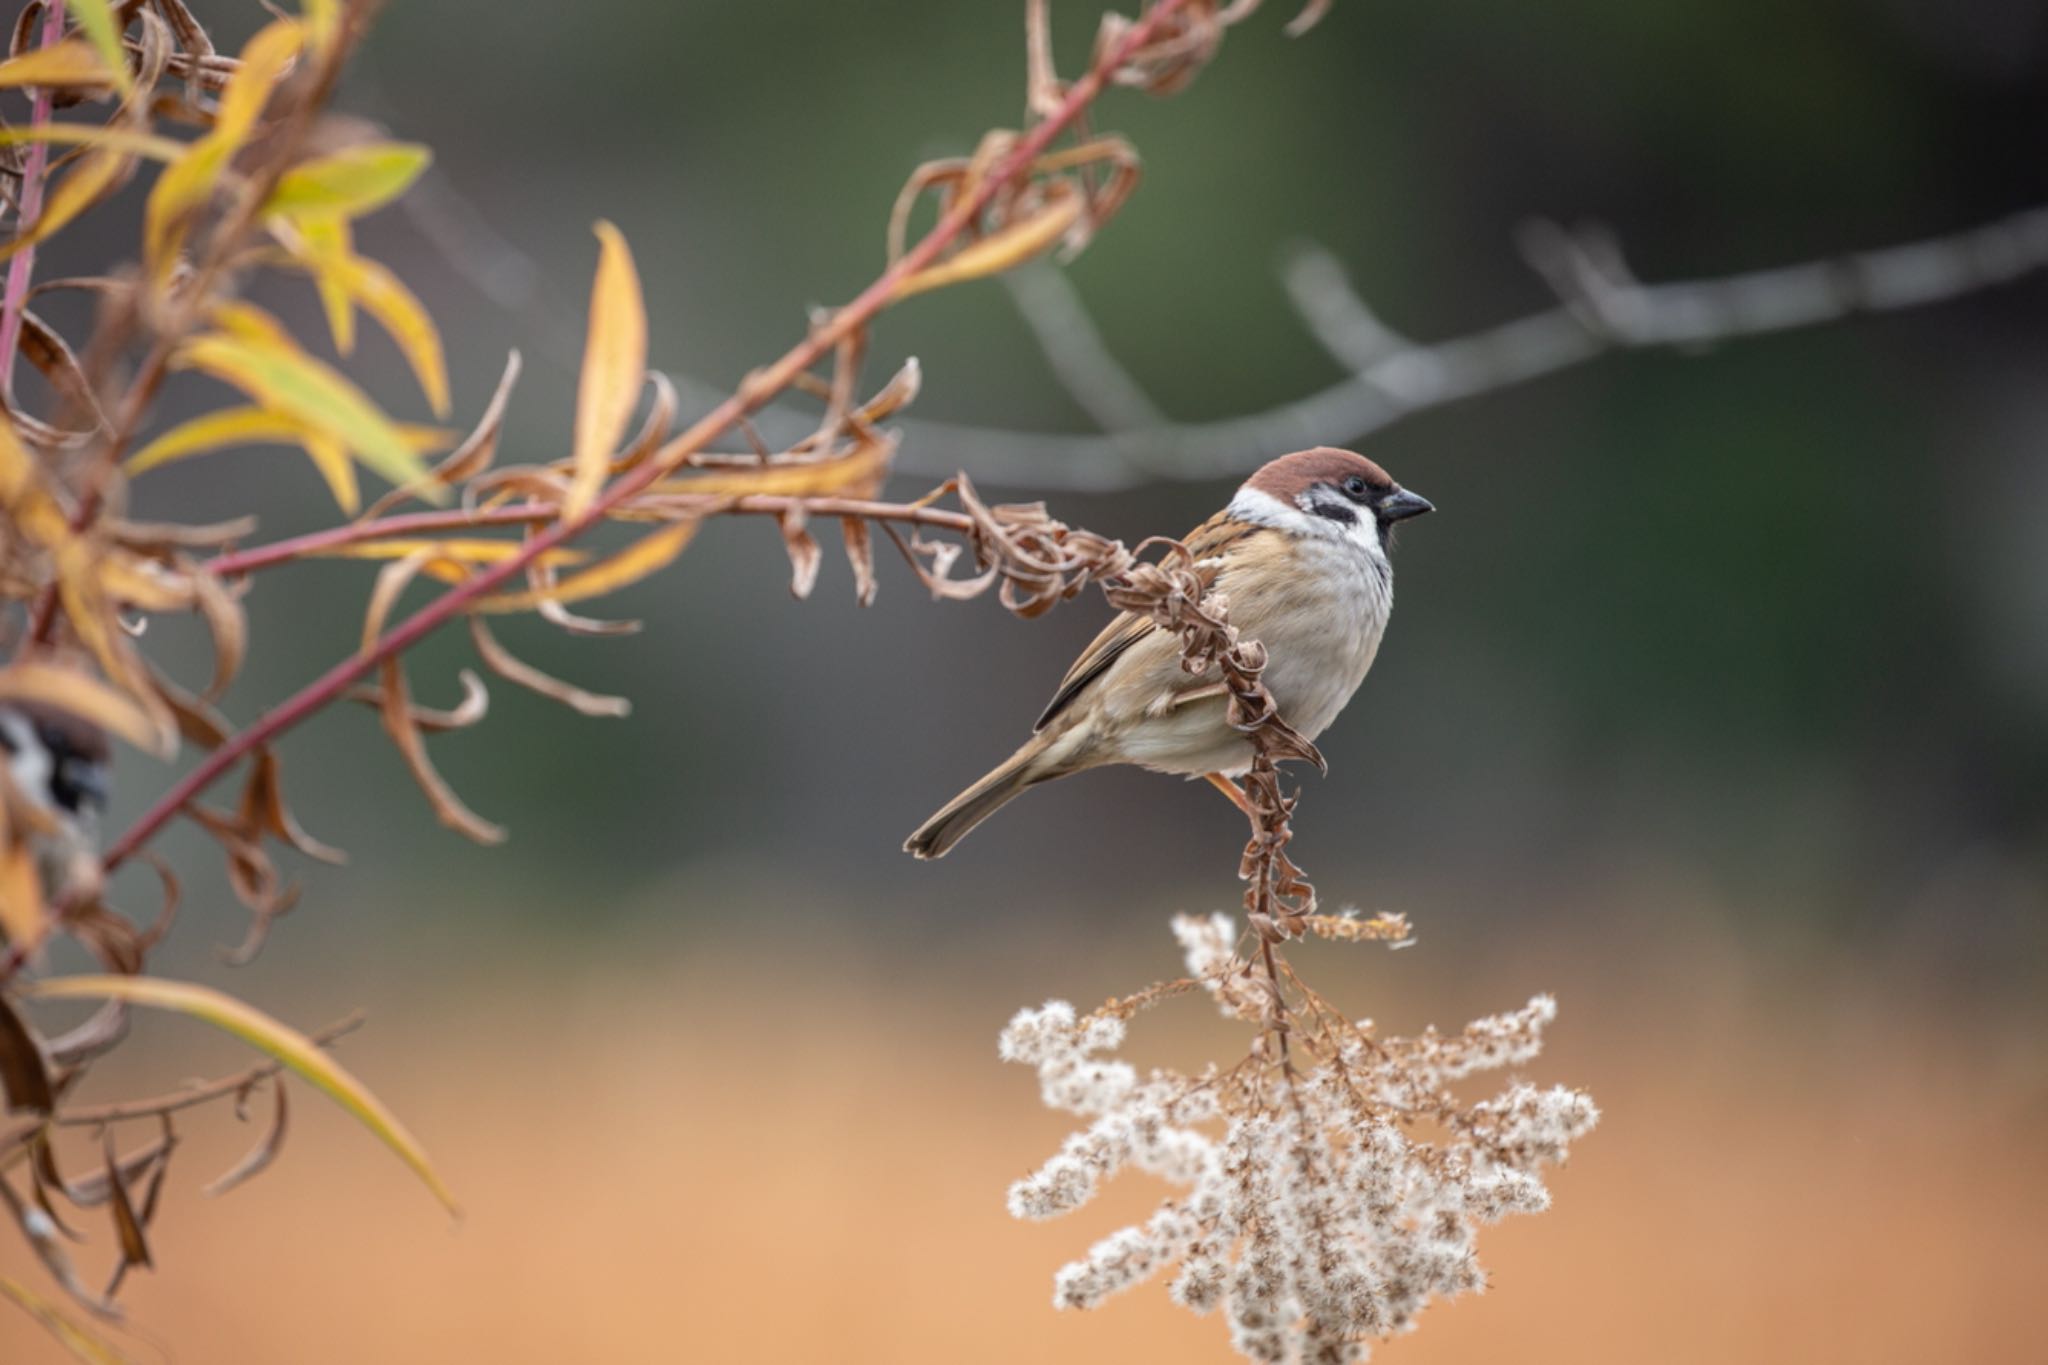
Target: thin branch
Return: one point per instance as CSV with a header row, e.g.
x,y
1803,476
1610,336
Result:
x,y
1391,377
1074,348
528,513
88,1116
34,165
228,235
753,393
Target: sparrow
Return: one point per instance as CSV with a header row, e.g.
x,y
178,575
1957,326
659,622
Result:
x,y
1300,557
58,764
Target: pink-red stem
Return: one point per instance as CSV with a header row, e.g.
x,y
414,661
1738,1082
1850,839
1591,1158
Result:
x,y
755,391
315,543
23,267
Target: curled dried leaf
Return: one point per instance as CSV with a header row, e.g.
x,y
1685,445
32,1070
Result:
x,y
280,1041
399,724
474,706
40,1232
24,1075
392,581
163,538
263,808
476,452
128,1226
804,554
513,669
102,1030
78,694
261,1155
860,555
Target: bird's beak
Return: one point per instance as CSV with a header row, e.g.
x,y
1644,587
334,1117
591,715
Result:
x,y
1400,505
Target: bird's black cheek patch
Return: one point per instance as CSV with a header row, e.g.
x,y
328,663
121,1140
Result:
x,y
1338,512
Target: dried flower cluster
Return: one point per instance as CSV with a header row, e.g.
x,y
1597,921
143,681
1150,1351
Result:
x,y
1314,1212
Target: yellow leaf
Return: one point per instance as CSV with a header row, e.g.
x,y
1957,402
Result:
x,y
97,19
614,368
214,431
23,919
74,1338
144,583
467,551
243,426
60,66
349,183
245,320
185,186
329,242
265,59
998,251
78,191
82,695
287,1045
323,21
649,554
330,457
385,298
96,135
18,469
295,385
816,478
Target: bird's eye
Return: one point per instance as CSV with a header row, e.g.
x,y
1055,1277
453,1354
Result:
x,y
1354,486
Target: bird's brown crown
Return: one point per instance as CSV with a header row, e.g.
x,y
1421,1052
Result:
x,y
1290,475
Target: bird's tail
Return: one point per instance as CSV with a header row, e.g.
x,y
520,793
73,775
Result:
x,y
947,828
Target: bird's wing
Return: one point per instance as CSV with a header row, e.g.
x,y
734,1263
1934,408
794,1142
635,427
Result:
x,y
1206,542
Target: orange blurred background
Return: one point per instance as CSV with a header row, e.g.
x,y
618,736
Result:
x,y
683,1157
1716,703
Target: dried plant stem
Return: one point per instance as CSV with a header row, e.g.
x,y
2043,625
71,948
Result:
x,y
197,292
755,391
529,513
89,1116
22,268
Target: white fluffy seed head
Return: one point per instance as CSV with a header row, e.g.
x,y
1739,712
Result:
x,y
1316,1218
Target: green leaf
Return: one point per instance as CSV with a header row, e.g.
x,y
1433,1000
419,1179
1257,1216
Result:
x,y
351,182
96,17
280,1041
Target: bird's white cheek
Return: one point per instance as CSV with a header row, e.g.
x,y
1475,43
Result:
x,y
29,765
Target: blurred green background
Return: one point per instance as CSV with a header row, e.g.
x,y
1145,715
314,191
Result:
x,y
1716,699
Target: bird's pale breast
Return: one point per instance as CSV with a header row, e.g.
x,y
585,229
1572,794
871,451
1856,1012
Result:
x,y
1320,616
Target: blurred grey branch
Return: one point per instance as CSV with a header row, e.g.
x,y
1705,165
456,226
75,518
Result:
x,y
1601,307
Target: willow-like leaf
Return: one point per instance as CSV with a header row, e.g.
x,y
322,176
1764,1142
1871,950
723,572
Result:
x,y
83,1344
1013,245
289,382
349,183
648,555
86,697
280,1041
61,66
614,368
96,17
